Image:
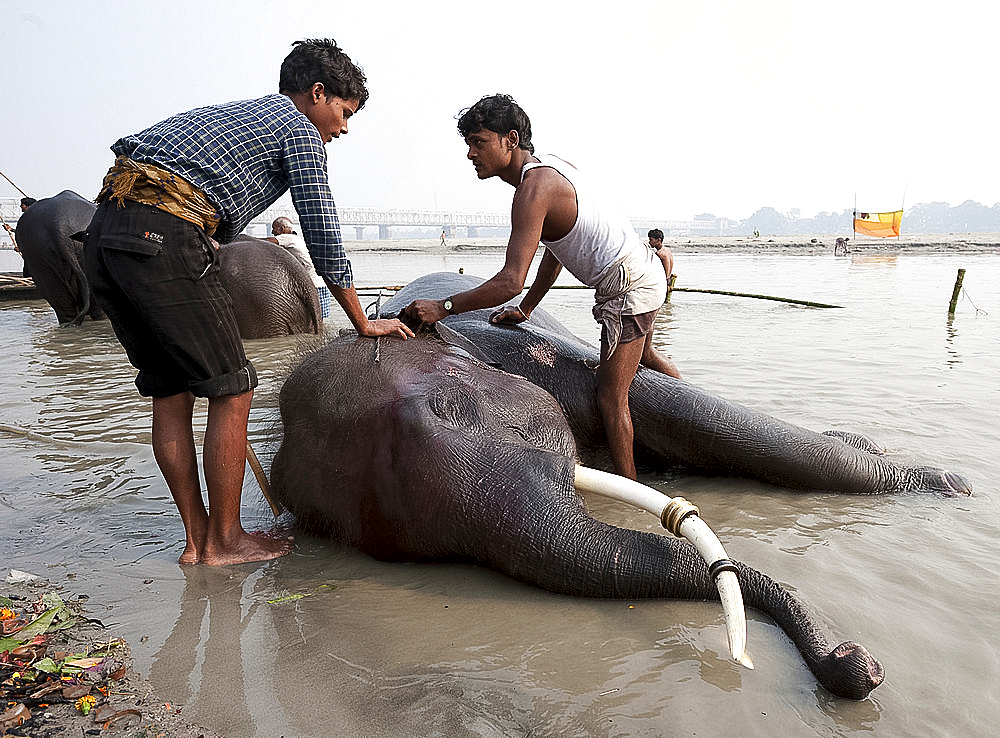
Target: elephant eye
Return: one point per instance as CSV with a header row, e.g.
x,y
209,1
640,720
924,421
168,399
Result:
x,y
457,404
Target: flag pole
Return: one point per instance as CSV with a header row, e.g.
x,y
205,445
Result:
x,y
902,208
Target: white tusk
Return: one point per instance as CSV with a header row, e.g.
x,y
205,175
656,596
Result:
x,y
681,518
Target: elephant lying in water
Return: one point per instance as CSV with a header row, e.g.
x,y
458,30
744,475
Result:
x,y
675,422
415,451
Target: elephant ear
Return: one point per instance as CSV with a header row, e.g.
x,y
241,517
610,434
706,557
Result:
x,y
453,338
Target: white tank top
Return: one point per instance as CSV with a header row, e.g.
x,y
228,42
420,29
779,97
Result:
x,y
601,236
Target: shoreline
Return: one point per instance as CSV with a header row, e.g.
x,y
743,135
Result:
x,y
932,243
125,702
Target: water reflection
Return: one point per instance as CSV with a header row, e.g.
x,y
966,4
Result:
x,y
206,672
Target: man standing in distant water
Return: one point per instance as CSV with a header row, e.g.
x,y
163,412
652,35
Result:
x,y
283,234
554,204
665,255
149,257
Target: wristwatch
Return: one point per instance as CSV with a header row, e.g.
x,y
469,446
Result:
x,y
448,306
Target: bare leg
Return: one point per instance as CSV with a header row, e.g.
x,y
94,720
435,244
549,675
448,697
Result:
x,y
653,359
174,451
226,542
614,376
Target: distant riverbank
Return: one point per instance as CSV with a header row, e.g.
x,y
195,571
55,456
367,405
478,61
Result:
x,y
972,243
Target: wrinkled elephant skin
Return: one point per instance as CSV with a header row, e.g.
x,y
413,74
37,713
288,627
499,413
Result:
x,y
272,293
427,454
54,260
675,422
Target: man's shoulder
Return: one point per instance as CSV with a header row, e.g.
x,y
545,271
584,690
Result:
x,y
546,183
290,239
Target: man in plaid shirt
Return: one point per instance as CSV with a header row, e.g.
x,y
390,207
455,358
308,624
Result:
x,y
150,259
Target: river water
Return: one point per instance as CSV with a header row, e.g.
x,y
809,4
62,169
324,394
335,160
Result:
x,y
329,642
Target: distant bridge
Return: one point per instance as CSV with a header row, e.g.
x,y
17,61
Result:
x,y
448,221
362,218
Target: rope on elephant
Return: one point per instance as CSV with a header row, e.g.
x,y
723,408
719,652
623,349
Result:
x,y
807,303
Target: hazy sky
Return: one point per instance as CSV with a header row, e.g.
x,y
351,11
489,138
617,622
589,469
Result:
x,y
683,107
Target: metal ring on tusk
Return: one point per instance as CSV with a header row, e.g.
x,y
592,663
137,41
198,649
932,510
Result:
x,y
674,513
720,566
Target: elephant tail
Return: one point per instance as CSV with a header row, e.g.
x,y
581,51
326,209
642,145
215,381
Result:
x,y
80,287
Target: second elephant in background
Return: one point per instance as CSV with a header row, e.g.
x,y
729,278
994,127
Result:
x,y
272,293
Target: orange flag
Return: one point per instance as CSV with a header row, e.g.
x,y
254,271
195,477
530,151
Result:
x,y
879,225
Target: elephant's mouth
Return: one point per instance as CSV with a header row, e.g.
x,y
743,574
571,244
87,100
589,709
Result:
x,y
681,518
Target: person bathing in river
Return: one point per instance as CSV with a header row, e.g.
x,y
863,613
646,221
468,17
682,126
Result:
x,y
555,204
283,233
149,257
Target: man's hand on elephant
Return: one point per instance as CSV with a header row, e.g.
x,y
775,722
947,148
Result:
x,y
509,315
387,327
426,311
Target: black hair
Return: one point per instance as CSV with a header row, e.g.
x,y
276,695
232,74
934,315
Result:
x,y
321,60
28,201
655,233
500,114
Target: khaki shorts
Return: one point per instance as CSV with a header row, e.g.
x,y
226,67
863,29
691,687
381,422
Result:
x,y
633,327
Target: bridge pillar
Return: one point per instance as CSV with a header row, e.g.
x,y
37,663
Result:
x,y
359,232
384,233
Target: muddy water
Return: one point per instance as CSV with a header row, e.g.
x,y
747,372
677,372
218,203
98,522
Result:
x,y
329,642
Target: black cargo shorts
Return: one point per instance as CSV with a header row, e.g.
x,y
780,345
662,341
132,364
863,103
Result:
x,y
157,278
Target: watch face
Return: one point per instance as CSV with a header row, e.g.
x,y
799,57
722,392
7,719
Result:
x,y
447,305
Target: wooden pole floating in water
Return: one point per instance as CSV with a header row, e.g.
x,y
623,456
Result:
x,y
758,297
808,303
955,293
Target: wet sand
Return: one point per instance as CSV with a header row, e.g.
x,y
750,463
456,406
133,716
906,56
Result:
x,y
126,703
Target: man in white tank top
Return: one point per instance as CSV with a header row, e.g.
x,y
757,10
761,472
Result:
x,y
554,204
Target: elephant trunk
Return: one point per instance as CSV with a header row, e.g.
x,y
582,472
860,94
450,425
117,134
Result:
x,y
681,518
574,554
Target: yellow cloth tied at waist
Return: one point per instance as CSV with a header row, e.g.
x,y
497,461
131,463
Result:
x,y
153,185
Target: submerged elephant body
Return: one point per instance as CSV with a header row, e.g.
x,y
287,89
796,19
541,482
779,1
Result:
x,y
272,293
675,422
55,260
413,450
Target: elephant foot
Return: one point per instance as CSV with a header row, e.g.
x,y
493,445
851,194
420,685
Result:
x,y
858,440
850,671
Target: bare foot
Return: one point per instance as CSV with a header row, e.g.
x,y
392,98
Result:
x,y
248,547
190,555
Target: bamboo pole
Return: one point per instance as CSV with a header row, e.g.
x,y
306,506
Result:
x,y
258,472
955,293
13,185
809,303
10,280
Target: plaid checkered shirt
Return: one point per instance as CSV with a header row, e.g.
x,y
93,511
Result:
x,y
243,156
